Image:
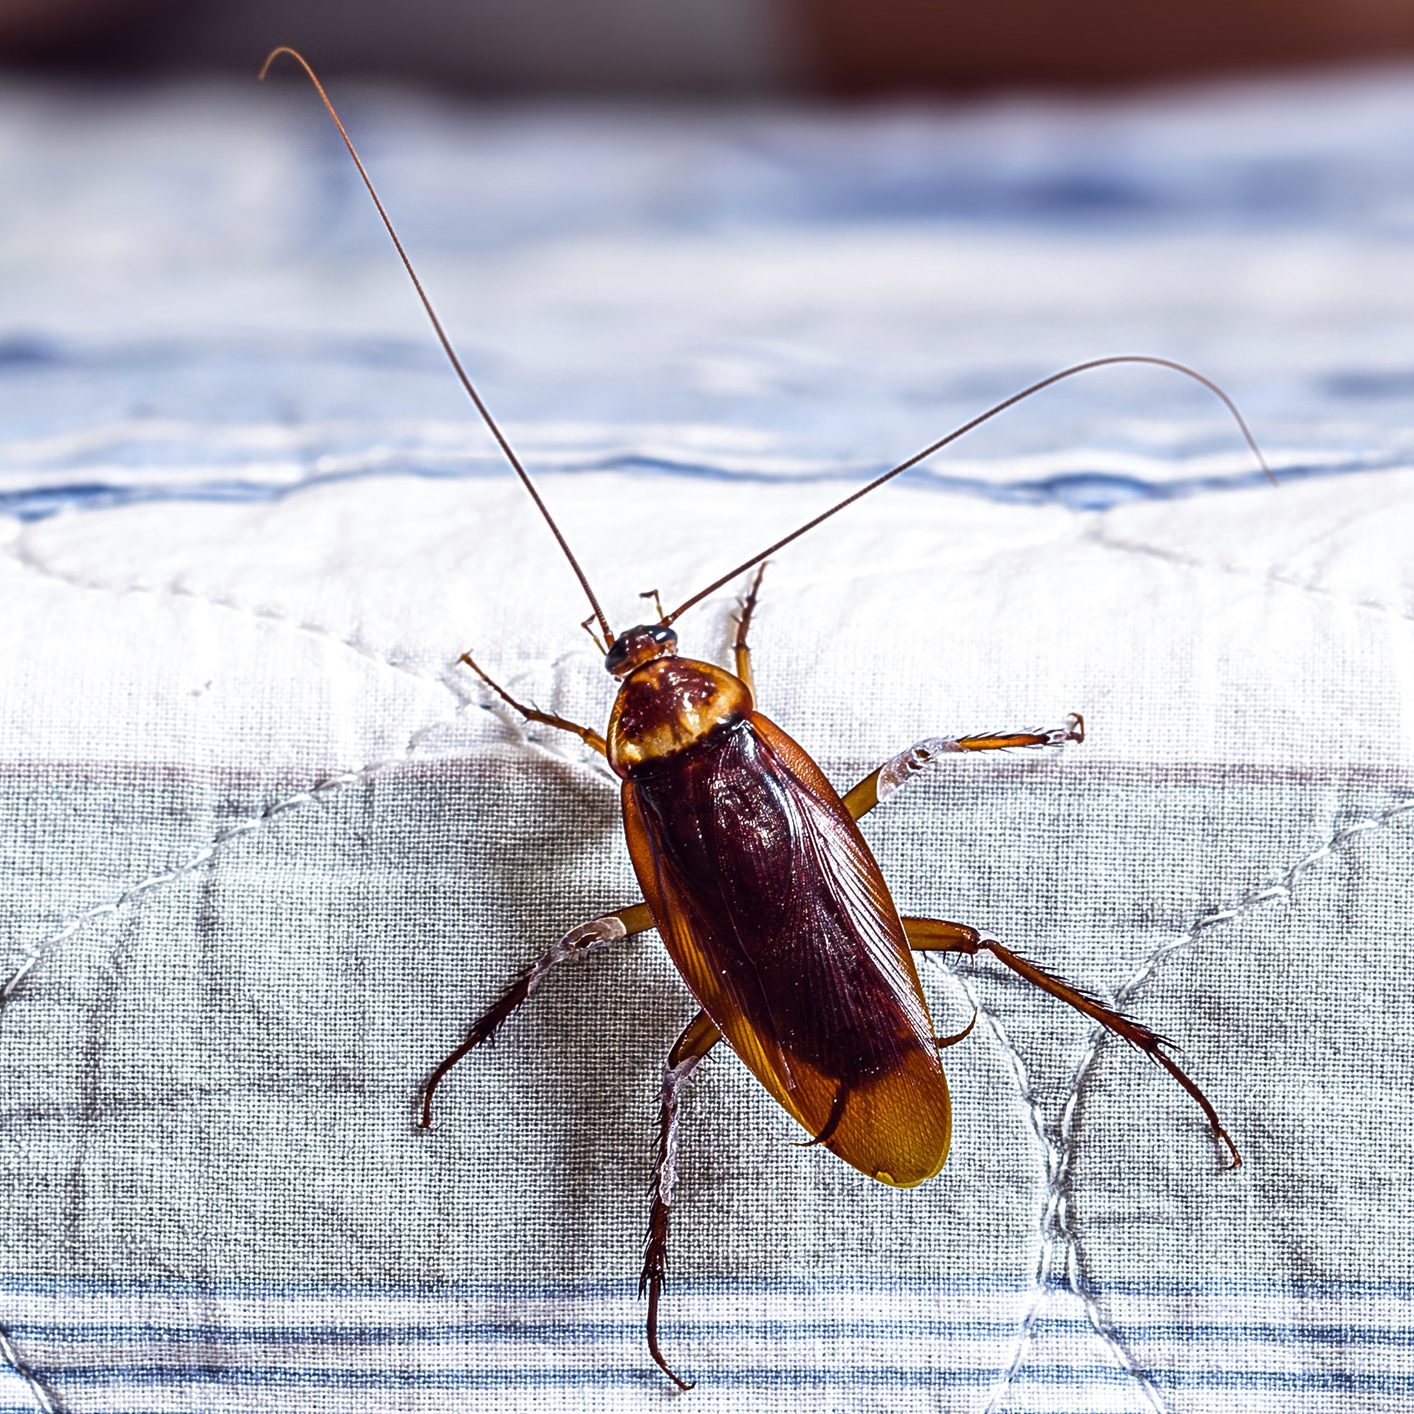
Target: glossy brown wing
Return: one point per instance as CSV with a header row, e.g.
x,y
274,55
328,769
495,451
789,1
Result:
x,y
776,914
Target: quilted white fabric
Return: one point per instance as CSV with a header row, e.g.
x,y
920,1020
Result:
x,y
268,848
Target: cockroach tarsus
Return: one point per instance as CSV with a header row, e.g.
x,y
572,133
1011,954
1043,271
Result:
x,y
754,872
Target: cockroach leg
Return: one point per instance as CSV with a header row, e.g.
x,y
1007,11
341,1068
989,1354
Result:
x,y
596,638
740,647
933,935
699,1036
743,626
943,1042
879,785
832,1120
656,598
578,942
533,714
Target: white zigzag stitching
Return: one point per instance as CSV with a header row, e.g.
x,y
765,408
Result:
x,y
1060,1247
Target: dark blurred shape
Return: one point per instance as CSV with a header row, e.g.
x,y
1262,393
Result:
x,y
705,47
887,45
36,29
486,46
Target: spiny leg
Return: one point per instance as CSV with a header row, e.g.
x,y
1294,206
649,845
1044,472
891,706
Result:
x,y
879,785
578,942
698,1037
933,935
740,648
533,714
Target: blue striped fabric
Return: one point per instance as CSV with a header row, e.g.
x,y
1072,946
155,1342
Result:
x,y
383,1337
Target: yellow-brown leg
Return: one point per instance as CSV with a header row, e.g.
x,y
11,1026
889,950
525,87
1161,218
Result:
x,y
879,785
578,942
933,935
533,714
740,649
699,1036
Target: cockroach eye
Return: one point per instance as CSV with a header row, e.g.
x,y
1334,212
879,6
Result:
x,y
636,646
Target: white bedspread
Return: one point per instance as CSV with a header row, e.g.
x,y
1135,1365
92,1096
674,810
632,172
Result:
x,y
267,848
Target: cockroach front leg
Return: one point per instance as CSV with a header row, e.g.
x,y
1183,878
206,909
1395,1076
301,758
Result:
x,y
533,714
740,649
578,942
932,935
697,1039
879,785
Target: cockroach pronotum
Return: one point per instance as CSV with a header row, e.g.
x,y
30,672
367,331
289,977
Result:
x,y
755,874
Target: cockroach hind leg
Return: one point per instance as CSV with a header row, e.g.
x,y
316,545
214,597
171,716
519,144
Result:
x,y
832,1120
1234,1159
1152,1045
654,1286
935,935
698,1037
943,1042
580,941
1141,1037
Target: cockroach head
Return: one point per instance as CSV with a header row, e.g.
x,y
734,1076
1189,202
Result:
x,y
636,646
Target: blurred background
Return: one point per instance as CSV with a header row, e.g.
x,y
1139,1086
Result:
x,y
752,238
836,47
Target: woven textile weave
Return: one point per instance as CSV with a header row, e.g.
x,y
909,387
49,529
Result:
x,y
267,849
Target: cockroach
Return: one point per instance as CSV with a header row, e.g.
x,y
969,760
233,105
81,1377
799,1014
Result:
x,y
755,874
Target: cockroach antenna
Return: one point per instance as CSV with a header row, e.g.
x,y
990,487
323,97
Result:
x,y
767,897
441,333
957,432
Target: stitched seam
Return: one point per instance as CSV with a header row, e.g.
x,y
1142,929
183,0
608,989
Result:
x,y
45,1401
447,679
43,1398
1049,1155
1098,535
321,791
1057,1231
27,559
1059,1208
1054,1235
1052,1158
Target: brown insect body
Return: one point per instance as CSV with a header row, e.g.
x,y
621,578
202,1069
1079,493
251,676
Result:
x,y
775,912
754,872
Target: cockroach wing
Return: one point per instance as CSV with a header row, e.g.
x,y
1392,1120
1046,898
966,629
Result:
x,y
775,912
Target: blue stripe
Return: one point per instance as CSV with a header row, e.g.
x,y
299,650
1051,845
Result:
x,y
283,1287
753,1377
574,1330
25,350
1077,491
